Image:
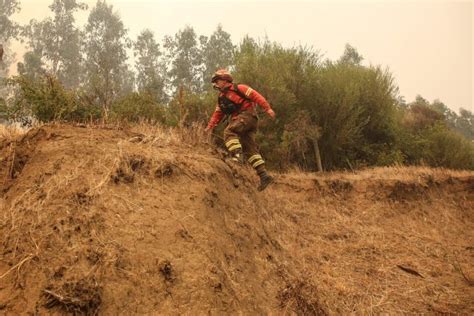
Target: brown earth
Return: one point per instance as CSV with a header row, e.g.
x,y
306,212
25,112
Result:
x,y
150,221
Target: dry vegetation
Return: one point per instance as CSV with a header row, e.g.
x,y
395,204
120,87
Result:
x,y
142,219
10,133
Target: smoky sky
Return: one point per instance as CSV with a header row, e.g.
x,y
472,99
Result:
x,y
427,45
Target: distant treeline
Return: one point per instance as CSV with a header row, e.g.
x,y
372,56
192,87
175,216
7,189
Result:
x,y
353,113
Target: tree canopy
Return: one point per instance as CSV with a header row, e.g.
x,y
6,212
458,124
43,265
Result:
x,y
349,112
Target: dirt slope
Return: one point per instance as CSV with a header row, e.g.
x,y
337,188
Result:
x,y
142,220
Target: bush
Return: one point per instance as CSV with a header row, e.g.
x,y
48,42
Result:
x,y
437,146
186,107
46,100
136,107
446,148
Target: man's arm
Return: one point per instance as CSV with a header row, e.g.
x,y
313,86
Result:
x,y
215,118
257,98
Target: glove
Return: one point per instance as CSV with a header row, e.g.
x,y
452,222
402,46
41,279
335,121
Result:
x,y
271,113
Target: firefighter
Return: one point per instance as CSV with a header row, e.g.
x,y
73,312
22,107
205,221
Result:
x,y
1,52
239,102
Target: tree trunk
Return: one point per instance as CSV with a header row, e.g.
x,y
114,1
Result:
x,y
318,156
180,104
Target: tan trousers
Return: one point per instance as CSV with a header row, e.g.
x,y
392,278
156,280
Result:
x,y
239,136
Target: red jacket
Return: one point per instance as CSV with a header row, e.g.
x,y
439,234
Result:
x,y
254,96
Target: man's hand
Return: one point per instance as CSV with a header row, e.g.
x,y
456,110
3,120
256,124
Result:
x,y
208,129
271,113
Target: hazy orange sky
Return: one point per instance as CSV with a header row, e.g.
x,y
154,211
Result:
x,y
427,45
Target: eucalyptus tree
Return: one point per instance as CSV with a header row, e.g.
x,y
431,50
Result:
x,y
217,52
150,69
107,75
351,55
184,61
8,30
54,44
465,124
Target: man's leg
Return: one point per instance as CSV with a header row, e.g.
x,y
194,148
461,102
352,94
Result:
x,y
255,159
232,139
258,164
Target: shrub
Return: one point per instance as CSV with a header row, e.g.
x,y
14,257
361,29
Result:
x,y
45,100
446,148
136,107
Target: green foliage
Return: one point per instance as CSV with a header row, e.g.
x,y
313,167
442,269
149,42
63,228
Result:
x,y
55,44
217,52
336,109
352,111
353,106
427,138
32,66
299,139
464,124
8,28
105,42
184,59
445,148
279,75
422,115
46,100
150,71
438,146
449,116
439,112
351,56
137,107
187,107
3,109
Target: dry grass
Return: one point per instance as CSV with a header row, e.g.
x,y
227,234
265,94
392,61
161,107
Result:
x,y
11,132
355,231
381,173
171,136
326,243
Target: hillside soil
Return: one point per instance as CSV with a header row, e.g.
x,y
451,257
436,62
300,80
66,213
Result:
x,y
142,220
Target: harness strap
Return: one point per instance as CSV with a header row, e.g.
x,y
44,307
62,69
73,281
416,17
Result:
x,y
240,93
224,102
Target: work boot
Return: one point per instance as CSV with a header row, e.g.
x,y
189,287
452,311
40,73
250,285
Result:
x,y
238,157
265,180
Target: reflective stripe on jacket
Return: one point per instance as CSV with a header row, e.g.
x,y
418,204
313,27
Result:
x,y
254,96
